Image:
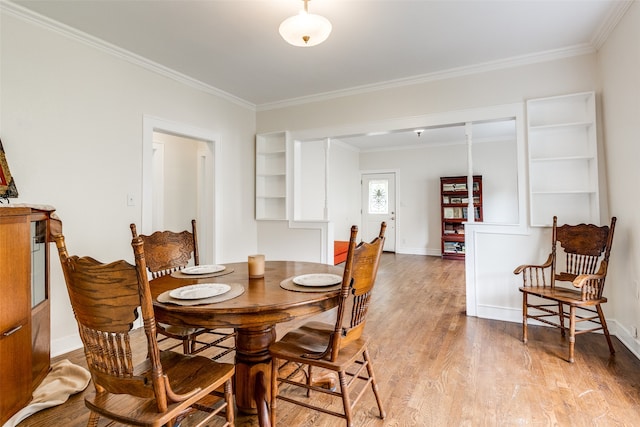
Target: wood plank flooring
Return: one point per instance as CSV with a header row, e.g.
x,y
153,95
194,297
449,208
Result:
x,y
437,367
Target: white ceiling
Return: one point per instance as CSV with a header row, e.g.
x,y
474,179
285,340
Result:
x,y
233,46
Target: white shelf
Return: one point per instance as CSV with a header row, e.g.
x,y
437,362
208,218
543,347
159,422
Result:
x,y
563,159
564,110
271,176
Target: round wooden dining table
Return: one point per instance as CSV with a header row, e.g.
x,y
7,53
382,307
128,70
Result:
x,y
253,314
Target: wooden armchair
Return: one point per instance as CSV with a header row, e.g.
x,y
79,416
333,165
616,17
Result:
x,y
584,266
148,389
165,253
339,347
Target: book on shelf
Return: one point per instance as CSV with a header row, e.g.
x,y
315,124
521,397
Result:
x,y
454,247
476,210
454,187
453,213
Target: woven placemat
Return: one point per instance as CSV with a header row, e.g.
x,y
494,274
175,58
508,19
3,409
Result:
x,y
290,286
236,290
180,275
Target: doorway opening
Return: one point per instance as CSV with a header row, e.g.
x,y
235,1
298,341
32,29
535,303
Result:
x,y
180,182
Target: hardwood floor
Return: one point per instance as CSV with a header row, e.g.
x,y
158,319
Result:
x,y
437,367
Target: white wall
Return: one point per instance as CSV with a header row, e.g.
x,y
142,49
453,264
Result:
x,y
72,128
619,64
313,175
344,189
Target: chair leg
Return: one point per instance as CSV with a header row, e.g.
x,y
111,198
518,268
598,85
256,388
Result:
x,y
309,381
274,391
228,397
93,419
374,384
186,346
605,329
346,401
572,332
524,317
561,316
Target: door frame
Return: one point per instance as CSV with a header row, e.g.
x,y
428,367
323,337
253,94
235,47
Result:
x,y
209,221
396,189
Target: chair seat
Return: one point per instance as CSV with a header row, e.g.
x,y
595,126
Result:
x,y
185,373
178,331
313,337
561,294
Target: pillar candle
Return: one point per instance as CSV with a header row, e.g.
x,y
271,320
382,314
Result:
x,y
256,266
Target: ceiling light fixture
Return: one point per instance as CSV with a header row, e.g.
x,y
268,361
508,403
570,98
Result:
x,y
305,29
419,132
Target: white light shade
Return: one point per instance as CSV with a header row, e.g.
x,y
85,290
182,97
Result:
x,y
305,29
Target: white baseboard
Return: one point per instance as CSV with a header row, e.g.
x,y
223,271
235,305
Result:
x,y
629,341
417,251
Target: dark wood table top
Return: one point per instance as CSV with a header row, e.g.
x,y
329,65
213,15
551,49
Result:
x,y
264,302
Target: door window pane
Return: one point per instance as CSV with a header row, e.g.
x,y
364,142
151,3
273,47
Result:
x,y
379,196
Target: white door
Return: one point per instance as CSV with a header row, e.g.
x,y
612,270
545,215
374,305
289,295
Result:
x,y
379,204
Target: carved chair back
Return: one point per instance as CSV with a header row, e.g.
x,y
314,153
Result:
x,y
586,249
105,300
361,268
168,251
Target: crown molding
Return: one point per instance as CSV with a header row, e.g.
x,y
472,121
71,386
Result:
x,y
79,36
617,11
515,61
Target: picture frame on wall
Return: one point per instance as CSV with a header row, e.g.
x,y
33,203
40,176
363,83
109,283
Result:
x,y
7,184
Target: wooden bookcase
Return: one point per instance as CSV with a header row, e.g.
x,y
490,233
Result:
x,y
454,202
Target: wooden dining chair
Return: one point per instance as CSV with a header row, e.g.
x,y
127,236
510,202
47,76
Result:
x,y
167,252
340,347
148,388
586,249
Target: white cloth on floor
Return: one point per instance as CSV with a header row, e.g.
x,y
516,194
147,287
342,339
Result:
x,y
62,381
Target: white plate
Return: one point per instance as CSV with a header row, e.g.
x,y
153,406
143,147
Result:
x,y
203,269
318,279
200,291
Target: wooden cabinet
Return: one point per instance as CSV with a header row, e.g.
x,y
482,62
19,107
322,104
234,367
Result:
x,y
454,201
24,305
563,159
271,176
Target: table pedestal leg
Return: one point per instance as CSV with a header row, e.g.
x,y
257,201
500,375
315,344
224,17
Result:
x,y
253,363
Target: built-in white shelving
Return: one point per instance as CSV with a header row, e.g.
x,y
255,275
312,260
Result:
x,y
271,176
563,159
